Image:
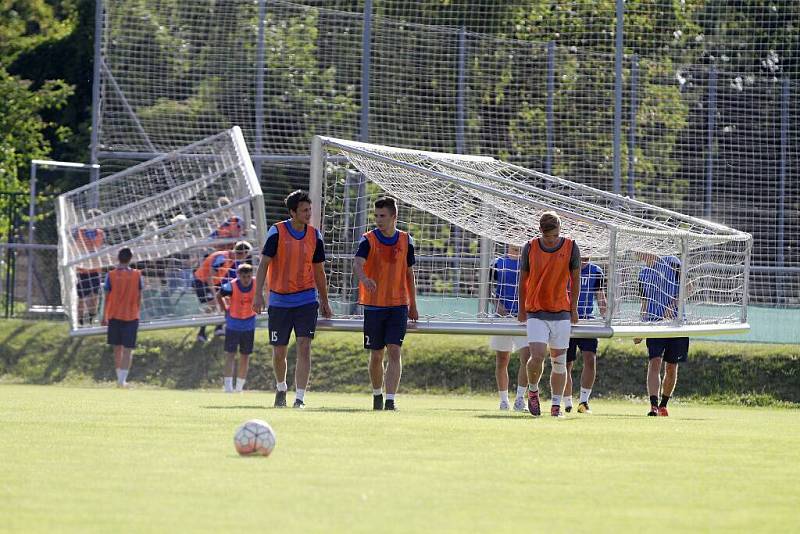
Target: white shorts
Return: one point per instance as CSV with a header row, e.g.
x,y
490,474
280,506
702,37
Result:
x,y
508,343
554,333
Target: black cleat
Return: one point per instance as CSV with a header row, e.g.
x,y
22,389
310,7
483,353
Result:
x,y
377,402
568,409
280,399
389,405
298,404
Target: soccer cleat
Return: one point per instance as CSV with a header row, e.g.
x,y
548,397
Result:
x,y
662,411
568,408
300,405
584,408
533,403
377,402
280,399
555,411
519,405
504,406
389,405
201,338
653,411
219,331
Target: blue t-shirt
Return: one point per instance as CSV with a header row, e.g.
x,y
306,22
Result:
x,y
659,285
232,323
300,298
592,280
364,248
505,274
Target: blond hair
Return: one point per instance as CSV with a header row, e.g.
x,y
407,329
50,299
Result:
x,y
549,221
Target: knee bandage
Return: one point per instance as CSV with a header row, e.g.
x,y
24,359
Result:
x,y
560,364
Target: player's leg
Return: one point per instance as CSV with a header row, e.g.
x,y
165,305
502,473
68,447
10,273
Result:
x,y
304,322
559,343
231,344
279,326
538,335
394,333
129,330
677,350
522,377
655,350
501,375
373,341
82,290
588,373
93,298
202,291
571,356
246,343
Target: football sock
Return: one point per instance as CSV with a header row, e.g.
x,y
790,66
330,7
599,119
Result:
x,y
533,387
227,382
585,393
123,376
664,401
503,396
653,400
377,392
240,384
567,401
118,370
300,394
390,396
556,400
282,386
521,391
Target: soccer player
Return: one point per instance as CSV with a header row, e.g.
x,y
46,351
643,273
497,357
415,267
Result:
x,y
216,269
240,325
550,266
659,286
232,228
593,283
89,240
123,288
292,264
384,267
505,274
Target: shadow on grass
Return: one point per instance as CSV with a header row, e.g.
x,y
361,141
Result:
x,y
239,407
340,410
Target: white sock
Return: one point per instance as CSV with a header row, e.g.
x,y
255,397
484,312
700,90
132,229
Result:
x,y
585,392
282,386
533,387
503,396
521,391
240,384
567,401
227,382
123,376
556,400
118,371
378,391
299,394
390,396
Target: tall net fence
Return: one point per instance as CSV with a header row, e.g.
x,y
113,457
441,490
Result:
x,y
701,119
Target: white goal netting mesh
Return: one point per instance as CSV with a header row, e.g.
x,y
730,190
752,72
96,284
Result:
x,y
464,211
172,212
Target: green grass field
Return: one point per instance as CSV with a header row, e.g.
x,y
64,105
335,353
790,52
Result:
x,y
102,459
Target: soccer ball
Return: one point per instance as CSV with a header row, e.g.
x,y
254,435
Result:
x,y
255,437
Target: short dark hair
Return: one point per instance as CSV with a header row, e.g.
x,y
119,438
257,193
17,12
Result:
x,y
387,202
242,246
245,268
125,255
295,198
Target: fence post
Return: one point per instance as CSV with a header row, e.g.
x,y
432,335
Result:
x,y
98,36
632,133
366,53
617,184
551,88
712,118
31,235
779,256
262,14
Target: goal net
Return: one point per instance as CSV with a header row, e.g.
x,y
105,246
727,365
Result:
x,y
172,212
465,211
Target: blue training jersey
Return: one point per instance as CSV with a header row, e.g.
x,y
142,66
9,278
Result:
x,y
505,274
659,285
592,280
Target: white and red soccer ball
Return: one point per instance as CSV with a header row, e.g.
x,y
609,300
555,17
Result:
x,y
255,437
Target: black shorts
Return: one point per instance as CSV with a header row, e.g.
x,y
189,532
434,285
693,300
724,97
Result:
x,y
88,284
239,339
586,345
122,333
302,319
385,327
672,349
204,292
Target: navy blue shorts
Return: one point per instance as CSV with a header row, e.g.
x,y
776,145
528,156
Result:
x,y
586,345
302,319
122,333
385,326
672,349
88,284
204,292
239,339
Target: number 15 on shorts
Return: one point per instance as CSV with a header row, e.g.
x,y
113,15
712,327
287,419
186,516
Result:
x,y
273,335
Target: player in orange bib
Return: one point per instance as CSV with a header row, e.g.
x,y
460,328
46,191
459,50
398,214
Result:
x,y
293,267
235,298
123,289
550,266
88,240
383,265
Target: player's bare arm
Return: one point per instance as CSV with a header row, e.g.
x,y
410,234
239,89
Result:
x,y
261,278
321,281
358,269
411,287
